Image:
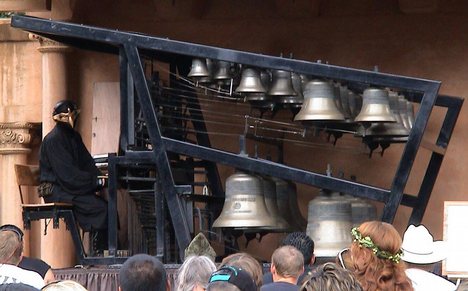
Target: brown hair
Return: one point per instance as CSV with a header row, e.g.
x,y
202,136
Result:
x,y
288,261
330,277
248,264
11,248
374,273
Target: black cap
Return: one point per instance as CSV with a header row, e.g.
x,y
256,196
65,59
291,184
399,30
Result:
x,y
236,276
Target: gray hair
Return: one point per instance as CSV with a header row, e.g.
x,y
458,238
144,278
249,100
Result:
x,y
195,270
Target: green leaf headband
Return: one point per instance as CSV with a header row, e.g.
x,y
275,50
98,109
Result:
x,y
368,243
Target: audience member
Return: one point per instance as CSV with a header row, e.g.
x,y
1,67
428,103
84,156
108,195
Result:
x,y
302,242
143,272
330,277
247,263
194,273
32,264
375,257
65,285
231,278
287,264
421,252
11,250
17,287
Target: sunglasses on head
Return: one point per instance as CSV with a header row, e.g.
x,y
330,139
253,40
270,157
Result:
x,y
14,229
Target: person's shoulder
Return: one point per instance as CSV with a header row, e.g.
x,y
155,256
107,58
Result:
x,y
281,286
34,264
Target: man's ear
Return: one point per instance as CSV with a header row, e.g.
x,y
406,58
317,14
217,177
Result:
x,y
120,289
272,269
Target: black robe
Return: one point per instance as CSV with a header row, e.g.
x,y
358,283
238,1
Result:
x,y
66,163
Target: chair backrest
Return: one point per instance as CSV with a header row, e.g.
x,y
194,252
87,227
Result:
x,y
26,175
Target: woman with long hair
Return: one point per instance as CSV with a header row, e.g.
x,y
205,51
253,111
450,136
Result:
x,y
375,258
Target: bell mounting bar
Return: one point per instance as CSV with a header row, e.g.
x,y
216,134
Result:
x,y
131,46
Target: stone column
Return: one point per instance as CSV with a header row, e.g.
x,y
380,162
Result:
x,y
57,245
15,141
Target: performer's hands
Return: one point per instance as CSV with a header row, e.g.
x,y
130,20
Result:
x,y
102,182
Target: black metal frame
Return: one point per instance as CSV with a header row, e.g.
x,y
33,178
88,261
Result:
x,y
129,46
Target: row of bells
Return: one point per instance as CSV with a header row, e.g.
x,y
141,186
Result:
x,y
379,112
258,204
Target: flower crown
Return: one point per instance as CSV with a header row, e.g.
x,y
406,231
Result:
x,y
368,243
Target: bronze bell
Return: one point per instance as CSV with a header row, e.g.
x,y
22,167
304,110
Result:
x,y
293,100
269,193
375,107
344,97
281,84
403,110
354,103
223,71
319,104
361,210
244,204
329,225
395,129
199,69
259,98
250,82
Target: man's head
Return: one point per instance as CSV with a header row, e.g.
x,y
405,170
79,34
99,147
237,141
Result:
x,y
66,111
11,248
142,272
13,228
287,263
330,277
302,242
231,278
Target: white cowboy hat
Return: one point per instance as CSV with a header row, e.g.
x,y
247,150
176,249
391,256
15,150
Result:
x,y
419,246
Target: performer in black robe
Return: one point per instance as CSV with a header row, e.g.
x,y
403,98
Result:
x,y
68,173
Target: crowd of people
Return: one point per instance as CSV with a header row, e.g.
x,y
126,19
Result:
x,y
378,259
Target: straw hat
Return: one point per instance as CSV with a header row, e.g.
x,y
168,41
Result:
x,y
419,246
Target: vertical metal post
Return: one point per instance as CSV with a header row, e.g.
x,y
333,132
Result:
x,y
112,205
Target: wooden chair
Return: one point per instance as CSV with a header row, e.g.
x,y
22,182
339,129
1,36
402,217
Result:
x,y
28,176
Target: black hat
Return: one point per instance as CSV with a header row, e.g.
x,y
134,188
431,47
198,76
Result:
x,y
236,276
63,106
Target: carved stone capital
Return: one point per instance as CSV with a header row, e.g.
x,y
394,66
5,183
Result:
x,y
49,45
17,137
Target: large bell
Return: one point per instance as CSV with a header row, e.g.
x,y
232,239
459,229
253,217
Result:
x,y
329,225
361,209
354,103
375,107
281,84
244,205
294,206
250,82
282,202
344,98
199,69
319,104
269,193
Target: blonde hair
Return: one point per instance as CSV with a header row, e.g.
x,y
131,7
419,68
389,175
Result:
x,y
374,273
65,285
288,261
248,264
11,248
